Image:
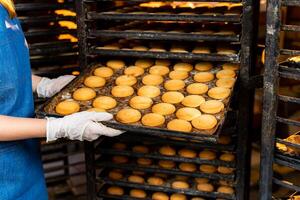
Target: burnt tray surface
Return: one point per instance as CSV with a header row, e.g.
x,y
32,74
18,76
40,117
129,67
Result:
x,y
47,109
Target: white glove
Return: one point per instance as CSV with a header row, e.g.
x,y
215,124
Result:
x,y
49,87
80,126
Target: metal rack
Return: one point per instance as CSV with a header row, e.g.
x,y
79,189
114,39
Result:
x,y
274,72
50,55
94,23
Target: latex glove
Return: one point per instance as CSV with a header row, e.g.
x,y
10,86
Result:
x,y
49,87
80,126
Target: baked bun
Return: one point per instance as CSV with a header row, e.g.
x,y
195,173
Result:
x,y
201,180
126,80
94,81
159,70
225,189
137,193
187,167
134,71
115,64
84,94
187,113
140,149
193,101
178,75
172,97
144,161
225,73
225,170
153,119
120,159
231,66
174,84
140,102
155,181
115,175
197,88
205,187
136,179
219,93
180,185
178,197
187,67
225,82
228,157
179,125
207,155
203,77
96,110
115,190
203,66
144,63
167,151
212,107
163,108
160,196
122,91
209,169
128,115
167,164
205,122
152,79
187,153
149,91
104,72
67,107
104,102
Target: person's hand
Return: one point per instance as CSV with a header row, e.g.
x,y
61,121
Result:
x,y
80,126
49,87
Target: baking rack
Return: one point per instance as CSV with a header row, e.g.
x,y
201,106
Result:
x,y
50,56
274,72
95,19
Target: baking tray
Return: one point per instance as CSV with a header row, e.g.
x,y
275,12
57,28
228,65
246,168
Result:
x,y
48,109
105,148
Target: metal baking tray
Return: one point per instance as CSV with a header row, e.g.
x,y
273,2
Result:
x,y
48,109
105,148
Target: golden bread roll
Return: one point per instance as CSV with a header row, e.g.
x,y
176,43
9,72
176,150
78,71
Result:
x,y
157,49
225,82
159,70
104,102
178,50
207,155
231,66
178,197
115,64
203,77
119,146
144,63
140,102
187,153
180,185
201,50
153,119
174,84
229,157
126,80
155,181
137,193
167,151
178,75
134,71
115,175
203,66
172,97
193,101
140,149
140,48
197,88
225,183
149,91
84,94
163,108
104,72
160,196
163,62
187,113
209,169
120,159
225,189
152,79
167,164
205,122
225,73
128,115
219,93
201,180
179,125
212,106
225,170
96,110
225,51
205,187
144,161
136,179
67,107
187,167
115,190
187,67
94,81
122,91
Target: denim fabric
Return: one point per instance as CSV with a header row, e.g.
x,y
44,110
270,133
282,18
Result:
x,y
21,173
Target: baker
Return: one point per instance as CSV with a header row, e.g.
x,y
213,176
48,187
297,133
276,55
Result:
x,y
21,172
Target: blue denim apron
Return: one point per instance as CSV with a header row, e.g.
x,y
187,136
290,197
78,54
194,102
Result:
x,y
21,173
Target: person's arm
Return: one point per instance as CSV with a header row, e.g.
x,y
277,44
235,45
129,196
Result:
x,y
13,128
35,82
78,126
